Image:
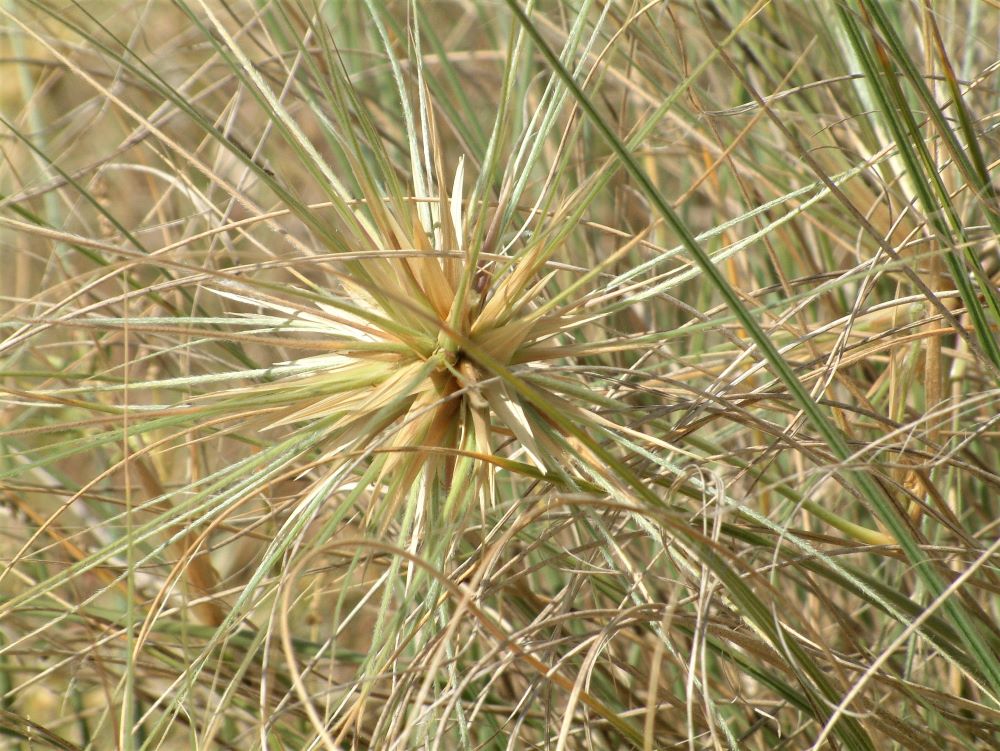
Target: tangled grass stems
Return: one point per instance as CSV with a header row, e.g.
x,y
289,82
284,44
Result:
x,y
477,375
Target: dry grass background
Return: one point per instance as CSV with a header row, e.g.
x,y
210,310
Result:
x,y
564,375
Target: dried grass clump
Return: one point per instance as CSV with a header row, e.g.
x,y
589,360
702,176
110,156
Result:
x,y
395,375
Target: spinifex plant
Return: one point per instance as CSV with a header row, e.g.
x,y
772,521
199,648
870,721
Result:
x,y
440,355
477,375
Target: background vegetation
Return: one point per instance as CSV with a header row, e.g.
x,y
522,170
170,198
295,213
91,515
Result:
x,y
502,375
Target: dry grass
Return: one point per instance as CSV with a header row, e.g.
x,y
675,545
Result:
x,y
467,375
